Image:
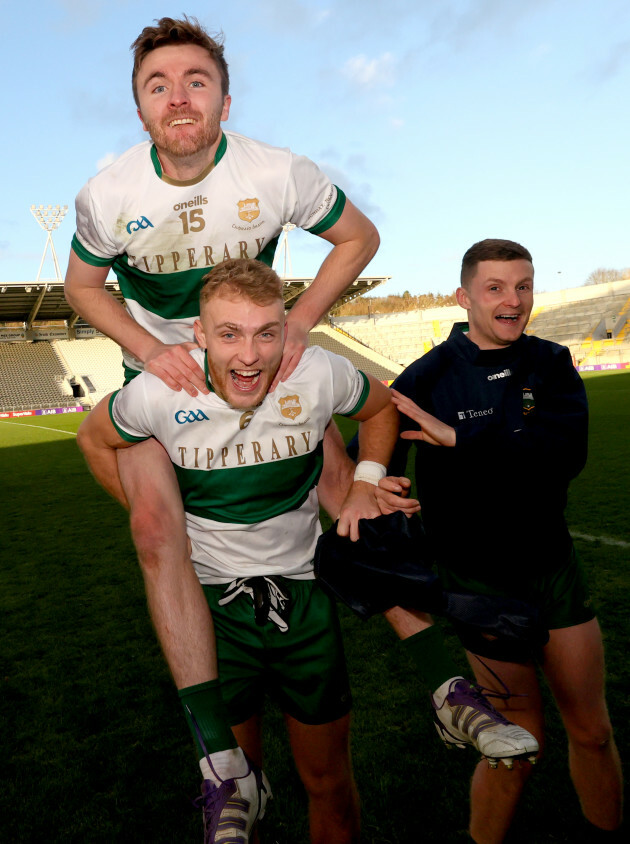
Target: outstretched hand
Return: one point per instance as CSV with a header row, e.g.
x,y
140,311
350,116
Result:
x,y
174,365
431,431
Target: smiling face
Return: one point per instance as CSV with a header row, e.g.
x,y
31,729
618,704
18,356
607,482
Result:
x,y
245,342
499,300
181,104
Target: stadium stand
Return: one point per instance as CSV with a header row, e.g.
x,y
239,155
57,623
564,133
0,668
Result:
x,y
357,353
402,337
96,365
31,376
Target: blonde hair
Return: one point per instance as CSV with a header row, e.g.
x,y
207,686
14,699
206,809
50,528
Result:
x,y
242,277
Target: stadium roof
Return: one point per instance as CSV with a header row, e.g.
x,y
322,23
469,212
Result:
x,y
28,304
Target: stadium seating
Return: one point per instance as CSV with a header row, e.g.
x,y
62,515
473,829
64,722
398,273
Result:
x,y
32,377
96,364
357,353
402,337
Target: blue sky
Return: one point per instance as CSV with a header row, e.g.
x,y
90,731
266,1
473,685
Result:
x,y
446,121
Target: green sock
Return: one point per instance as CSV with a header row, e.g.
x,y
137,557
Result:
x,y
434,662
204,707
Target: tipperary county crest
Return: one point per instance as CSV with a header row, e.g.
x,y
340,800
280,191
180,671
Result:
x,y
248,209
529,403
290,406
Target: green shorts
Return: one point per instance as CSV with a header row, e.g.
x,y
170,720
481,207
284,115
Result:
x,y
562,595
303,669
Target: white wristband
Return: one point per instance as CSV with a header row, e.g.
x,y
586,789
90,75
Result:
x,y
369,472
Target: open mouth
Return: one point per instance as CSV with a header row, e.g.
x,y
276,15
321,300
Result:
x,y
181,121
508,318
245,380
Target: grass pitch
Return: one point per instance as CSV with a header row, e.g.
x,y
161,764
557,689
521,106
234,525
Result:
x,y
94,745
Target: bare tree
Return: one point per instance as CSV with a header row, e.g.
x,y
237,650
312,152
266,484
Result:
x,y
395,303
603,275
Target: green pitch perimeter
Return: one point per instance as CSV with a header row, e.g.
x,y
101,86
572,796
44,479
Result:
x,y
94,746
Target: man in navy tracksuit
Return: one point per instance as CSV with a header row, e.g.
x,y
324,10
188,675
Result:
x,y
500,422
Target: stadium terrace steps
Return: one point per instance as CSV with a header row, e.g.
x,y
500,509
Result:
x,y
403,336
95,363
31,377
358,354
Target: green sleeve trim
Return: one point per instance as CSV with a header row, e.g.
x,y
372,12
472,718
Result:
x,y
365,392
86,256
129,438
333,215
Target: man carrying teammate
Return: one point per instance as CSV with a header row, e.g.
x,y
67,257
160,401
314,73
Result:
x,y
248,461
162,216
501,428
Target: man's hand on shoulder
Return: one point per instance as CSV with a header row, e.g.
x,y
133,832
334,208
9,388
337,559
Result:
x,y
431,431
360,503
174,365
295,343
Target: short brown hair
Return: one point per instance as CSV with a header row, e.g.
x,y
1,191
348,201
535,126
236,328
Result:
x,y
491,249
169,31
242,277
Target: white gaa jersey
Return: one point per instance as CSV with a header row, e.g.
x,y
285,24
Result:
x,y
247,478
163,236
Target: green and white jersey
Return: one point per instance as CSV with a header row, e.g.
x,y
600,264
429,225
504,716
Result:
x,y
247,478
163,236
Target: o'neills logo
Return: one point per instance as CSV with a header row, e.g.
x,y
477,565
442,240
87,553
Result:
x,y
248,209
198,200
290,406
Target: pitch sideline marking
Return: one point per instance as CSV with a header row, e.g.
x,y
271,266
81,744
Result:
x,y
605,540
41,427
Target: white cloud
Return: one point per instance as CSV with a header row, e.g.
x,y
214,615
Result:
x,y
371,73
106,160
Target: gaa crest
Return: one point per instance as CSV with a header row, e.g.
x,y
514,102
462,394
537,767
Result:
x,y
290,406
248,209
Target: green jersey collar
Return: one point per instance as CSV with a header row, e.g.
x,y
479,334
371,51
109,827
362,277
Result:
x,y
157,165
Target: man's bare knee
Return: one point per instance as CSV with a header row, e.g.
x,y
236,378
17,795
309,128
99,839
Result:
x,y
595,738
329,785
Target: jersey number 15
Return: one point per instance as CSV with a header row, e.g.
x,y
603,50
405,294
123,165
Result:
x,y
192,221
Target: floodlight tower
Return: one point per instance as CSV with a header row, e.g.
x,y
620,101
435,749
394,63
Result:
x,y
284,252
49,219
